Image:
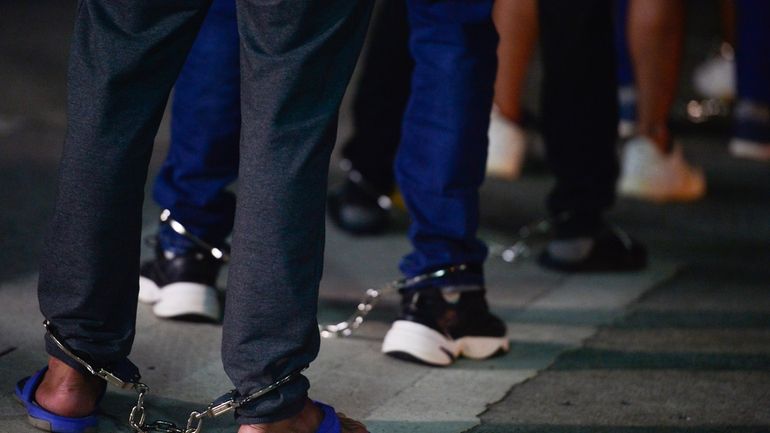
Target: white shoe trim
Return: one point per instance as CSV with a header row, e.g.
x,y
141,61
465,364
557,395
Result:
x,y
649,174
507,146
483,347
434,348
149,292
749,149
187,299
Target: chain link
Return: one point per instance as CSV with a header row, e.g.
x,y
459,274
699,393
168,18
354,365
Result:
x,y
181,230
137,418
372,296
522,246
229,402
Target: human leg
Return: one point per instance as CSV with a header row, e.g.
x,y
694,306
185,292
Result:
x,y
296,59
439,167
440,163
654,167
361,205
626,85
117,90
579,107
205,126
580,129
517,24
191,187
656,36
751,136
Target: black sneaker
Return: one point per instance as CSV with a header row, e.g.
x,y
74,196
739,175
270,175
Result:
x,y
610,250
437,326
357,210
181,286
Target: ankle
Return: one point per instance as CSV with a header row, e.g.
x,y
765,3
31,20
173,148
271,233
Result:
x,y
67,392
660,136
306,421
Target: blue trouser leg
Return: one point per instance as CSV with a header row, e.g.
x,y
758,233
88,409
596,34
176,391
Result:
x,y
625,68
297,59
752,57
441,159
205,127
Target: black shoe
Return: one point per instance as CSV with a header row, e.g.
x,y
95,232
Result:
x,y
435,328
181,286
357,210
610,250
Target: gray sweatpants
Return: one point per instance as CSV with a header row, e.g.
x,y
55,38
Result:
x,y
296,59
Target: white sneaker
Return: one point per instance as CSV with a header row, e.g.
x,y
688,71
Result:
x,y
507,145
749,149
649,174
715,78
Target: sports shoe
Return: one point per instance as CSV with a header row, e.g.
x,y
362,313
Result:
x,y
749,149
751,131
715,77
507,146
181,286
356,209
649,174
437,325
609,250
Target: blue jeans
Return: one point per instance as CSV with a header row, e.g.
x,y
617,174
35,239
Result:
x,y
203,155
442,155
205,128
441,160
752,57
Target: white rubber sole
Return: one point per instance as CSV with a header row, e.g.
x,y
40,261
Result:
x,y
748,149
149,292
642,189
180,299
412,340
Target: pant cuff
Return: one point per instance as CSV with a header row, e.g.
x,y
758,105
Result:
x,y
248,414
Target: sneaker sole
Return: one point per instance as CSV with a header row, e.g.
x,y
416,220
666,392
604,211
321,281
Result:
x,y
187,300
415,342
149,292
746,149
637,189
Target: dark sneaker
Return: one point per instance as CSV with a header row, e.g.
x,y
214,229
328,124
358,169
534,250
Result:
x,y
181,286
357,210
610,250
437,326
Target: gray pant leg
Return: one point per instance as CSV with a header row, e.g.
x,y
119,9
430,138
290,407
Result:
x,y
124,60
296,59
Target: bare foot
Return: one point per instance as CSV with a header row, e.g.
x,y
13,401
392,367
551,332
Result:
x,y
307,421
66,392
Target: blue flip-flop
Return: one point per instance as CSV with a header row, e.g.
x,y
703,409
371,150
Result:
x,y
330,423
45,420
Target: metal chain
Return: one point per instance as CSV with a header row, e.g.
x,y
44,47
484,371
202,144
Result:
x,y
383,200
522,247
519,250
137,419
372,296
178,228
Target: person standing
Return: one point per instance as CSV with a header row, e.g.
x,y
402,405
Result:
x,y
297,57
